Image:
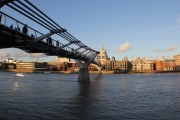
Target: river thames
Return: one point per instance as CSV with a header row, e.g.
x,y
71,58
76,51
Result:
x,y
106,97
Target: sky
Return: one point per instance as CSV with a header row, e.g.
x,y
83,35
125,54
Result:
x,y
133,28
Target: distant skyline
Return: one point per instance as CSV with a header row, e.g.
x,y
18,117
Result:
x,y
132,28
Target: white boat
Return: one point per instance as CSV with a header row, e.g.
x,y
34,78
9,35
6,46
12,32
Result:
x,y
19,74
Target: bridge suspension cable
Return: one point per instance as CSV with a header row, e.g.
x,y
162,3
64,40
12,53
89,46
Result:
x,y
32,12
26,8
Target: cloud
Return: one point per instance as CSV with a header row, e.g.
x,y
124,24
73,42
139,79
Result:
x,y
172,48
4,54
37,55
124,47
19,54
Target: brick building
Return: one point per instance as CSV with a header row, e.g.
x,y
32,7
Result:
x,y
177,62
165,65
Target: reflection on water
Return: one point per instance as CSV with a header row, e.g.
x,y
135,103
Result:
x,y
16,85
105,97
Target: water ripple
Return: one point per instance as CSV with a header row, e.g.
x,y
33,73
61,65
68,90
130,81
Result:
x,y
109,97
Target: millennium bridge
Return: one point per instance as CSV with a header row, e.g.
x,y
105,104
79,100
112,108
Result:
x,y
30,40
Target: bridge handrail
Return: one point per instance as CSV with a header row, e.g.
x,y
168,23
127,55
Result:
x,y
17,21
30,11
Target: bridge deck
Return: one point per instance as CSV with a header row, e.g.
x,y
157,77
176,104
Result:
x,y
40,42
13,38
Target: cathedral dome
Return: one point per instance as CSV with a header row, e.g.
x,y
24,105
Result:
x,y
102,51
103,56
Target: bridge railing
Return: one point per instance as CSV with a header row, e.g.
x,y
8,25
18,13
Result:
x,y
17,25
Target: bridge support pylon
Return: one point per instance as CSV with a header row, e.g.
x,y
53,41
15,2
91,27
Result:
x,y
83,71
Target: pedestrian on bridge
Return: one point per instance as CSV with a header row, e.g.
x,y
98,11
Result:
x,y
32,35
57,43
47,40
50,40
11,26
25,29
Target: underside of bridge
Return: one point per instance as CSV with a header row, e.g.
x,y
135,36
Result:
x,y
43,42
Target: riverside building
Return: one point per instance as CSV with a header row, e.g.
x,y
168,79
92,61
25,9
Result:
x,y
177,62
120,66
31,66
165,65
142,65
113,65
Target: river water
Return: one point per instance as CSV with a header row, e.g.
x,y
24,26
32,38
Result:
x,y
106,97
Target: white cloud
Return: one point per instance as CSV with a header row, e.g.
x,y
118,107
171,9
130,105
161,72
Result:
x,y
19,54
172,48
124,47
4,54
37,55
